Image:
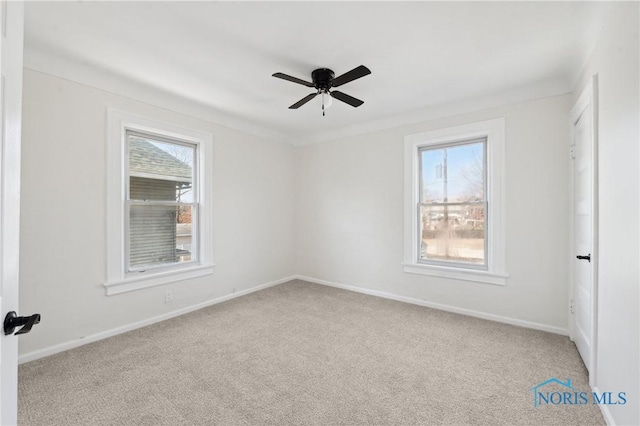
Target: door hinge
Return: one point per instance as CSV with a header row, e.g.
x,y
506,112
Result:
x,y
572,152
571,304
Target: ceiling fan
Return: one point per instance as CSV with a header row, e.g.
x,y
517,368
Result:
x,y
323,81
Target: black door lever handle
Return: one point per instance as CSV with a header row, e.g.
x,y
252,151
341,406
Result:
x,y
13,321
587,257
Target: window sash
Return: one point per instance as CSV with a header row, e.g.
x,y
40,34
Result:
x,y
454,263
462,142
195,172
195,255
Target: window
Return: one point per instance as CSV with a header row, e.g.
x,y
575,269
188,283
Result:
x,y
161,202
454,225
452,205
159,218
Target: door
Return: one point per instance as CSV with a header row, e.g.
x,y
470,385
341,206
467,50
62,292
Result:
x,y
584,256
11,30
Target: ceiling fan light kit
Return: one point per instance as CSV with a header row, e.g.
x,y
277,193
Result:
x,y
323,81
326,100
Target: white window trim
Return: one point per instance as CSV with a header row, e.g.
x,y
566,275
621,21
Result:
x,y
118,280
494,131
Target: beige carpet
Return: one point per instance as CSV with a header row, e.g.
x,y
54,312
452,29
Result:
x,y
302,354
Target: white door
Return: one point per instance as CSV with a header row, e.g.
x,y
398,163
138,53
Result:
x,y
11,30
584,302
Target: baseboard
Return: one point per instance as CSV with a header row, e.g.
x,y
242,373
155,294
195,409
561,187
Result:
x,y
41,353
439,306
604,409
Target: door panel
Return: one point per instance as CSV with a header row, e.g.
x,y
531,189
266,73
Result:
x,y
11,30
583,294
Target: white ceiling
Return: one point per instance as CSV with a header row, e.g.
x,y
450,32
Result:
x,y
220,56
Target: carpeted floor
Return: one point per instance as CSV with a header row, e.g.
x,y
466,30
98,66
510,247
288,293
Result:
x,y
306,354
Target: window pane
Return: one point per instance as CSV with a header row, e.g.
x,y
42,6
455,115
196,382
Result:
x,y
455,173
452,233
185,244
160,170
160,235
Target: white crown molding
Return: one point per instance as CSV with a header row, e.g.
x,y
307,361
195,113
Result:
x,y
84,73
541,90
61,66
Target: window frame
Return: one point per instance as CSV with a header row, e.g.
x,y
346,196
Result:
x,y
129,202
452,263
119,278
495,270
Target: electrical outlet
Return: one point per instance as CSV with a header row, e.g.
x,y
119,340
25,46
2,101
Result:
x,y
168,296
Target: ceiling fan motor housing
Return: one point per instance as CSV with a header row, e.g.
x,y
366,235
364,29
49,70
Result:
x,y
322,78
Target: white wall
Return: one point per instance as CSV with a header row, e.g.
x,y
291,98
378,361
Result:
x,y
347,196
349,215
615,60
62,264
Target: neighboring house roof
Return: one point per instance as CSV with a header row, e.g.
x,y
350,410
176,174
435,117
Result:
x,y
147,160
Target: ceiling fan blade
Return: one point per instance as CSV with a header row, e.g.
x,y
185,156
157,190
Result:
x,y
293,79
303,101
354,74
346,98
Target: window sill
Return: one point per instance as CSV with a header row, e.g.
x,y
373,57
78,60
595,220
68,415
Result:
x,y
145,281
456,273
